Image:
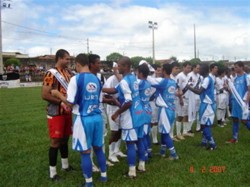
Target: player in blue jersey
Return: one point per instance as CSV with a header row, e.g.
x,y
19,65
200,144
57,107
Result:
x,y
84,96
166,92
207,106
131,118
145,94
242,87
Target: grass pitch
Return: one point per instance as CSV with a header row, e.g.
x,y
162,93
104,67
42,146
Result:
x,y
24,153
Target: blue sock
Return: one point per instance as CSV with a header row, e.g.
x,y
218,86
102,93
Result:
x,y
145,143
148,141
86,165
203,140
235,130
170,145
248,125
131,153
141,149
101,159
208,135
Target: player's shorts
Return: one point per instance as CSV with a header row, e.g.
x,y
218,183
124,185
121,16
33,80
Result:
x,y
155,109
129,135
222,101
146,129
236,110
60,126
207,114
182,110
113,125
87,132
166,120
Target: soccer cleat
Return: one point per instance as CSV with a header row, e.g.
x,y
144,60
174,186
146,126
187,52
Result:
x,y
189,134
141,168
95,168
104,179
173,158
69,169
120,154
130,175
56,178
220,125
175,139
108,163
113,158
180,137
232,141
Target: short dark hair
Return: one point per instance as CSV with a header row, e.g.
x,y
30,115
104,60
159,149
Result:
x,y
82,59
175,64
239,63
204,70
144,70
126,60
187,63
155,66
195,65
60,54
167,68
221,70
92,58
212,66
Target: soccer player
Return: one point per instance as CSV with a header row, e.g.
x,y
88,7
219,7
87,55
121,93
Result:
x,y
194,99
182,106
59,117
242,88
207,106
145,94
130,113
83,95
166,89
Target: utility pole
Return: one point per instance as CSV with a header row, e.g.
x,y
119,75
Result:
x,y
194,43
6,4
153,26
87,46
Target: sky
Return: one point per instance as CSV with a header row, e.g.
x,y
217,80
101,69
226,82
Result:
x,y
40,27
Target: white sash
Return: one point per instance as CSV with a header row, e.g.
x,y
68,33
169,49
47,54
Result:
x,y
59,77
244,106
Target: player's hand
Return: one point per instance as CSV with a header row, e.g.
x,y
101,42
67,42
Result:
x,y
116,102
114,116
55,93
66,108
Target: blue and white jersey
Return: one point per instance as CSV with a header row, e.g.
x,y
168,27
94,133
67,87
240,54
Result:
x,y
241,83
128,90
166,89
208,96
145,91
84,93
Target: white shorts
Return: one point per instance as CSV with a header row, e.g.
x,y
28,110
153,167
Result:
x,y
155,109
113,125
182,110
129,135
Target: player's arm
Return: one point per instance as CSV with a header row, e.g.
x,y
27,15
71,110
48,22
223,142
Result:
x,y
201,89
60,96
110,100
46,95
123,108
109,90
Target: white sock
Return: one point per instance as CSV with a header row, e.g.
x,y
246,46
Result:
x,y
117,146
111,148
103,174
65,163
132,171
171,133
178,128
154,134
89,180
190,124
141,165
185,127
52,171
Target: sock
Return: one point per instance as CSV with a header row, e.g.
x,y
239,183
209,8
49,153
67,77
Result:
x,y
64,150
154,134
185,127
86,165
101,159
52,171
145,143
203,140
141,149
168,140
235,130
53,156
198,124
173,152
248,125
117,146
178,128
111,148
209,136
172,132
65,163
163,150
131,154
148,141
141,165
190,124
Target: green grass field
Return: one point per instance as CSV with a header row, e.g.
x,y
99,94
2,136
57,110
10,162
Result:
x,y
24,153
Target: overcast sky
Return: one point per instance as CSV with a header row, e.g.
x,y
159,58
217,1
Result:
x,y
39,27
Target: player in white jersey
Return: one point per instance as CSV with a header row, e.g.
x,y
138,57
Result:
x,y
194,99
207,106
221,96
84,95
174,73
182,105
115,134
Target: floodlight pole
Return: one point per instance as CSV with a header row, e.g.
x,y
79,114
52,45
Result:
x,y
1,53
153,26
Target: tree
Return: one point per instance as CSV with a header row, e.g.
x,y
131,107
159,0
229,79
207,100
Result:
x,y
114,57
195,61
12,61
174,59
135,61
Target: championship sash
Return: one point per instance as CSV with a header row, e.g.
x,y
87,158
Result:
x,y
243,105
60,78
